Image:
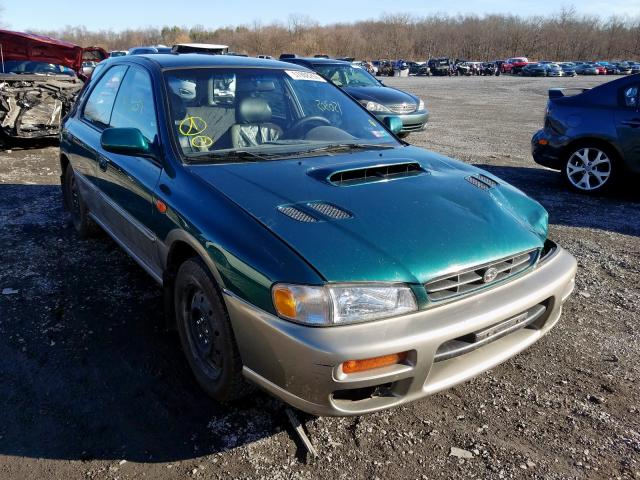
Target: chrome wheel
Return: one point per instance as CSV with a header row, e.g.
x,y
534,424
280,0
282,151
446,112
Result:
x,y
588,169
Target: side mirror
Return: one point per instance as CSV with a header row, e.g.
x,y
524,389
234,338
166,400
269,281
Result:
x,y
126,141
393,123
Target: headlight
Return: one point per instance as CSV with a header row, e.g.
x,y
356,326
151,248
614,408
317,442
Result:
x,y
341,304
421,105
374,106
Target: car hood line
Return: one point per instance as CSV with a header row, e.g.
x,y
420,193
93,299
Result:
x,y
258,220
391,236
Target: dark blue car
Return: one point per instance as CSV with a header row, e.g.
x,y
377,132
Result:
x,y
593,137
371,93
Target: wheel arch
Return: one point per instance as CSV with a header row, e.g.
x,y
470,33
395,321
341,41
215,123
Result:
x,y
181,246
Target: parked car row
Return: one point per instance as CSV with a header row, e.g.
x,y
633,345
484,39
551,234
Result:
x,y
445,66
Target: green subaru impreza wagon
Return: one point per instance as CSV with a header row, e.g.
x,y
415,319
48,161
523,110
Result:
x,y
301,246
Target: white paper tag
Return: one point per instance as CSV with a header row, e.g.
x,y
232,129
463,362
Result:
x,y
301,75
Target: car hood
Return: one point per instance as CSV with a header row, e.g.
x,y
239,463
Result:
x,y
39,48
409,229
383,95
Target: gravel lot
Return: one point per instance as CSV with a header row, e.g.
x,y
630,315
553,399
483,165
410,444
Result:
x,y
92,387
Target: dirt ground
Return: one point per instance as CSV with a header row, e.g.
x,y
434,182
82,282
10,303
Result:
x,y
91,386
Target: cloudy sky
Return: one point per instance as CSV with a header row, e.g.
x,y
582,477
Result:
x,y
120,14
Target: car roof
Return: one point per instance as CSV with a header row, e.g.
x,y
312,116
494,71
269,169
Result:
x,y
317,61
199,60
201,45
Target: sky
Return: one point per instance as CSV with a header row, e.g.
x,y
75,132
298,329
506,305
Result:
x,y
120,14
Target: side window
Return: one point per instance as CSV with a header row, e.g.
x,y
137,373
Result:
x,y
630,97
98,108
134,106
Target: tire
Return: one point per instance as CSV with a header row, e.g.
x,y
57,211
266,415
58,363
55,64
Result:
x,y
402,134
80,219
590,169
205,333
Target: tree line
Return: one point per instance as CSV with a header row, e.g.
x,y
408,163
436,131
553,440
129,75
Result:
x,y
562,36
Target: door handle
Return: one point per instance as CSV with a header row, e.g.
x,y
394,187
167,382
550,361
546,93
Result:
x,y
103,163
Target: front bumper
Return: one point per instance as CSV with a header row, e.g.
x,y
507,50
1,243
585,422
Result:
x,y
302,365
411,122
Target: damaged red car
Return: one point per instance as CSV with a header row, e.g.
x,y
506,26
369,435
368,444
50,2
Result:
x,y
39,80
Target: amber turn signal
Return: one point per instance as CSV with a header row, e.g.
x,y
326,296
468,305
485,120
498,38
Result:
x,y
161,206
543,141
285,302
353,366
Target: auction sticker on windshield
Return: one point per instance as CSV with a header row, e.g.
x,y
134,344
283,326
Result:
x,y
300,75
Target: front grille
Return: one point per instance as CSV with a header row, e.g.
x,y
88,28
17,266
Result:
x,y
403,107
330,210
466,281
296,214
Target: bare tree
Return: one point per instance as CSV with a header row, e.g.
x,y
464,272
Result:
x,y
563,36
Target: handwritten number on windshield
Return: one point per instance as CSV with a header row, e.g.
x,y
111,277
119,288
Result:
x,y
326,106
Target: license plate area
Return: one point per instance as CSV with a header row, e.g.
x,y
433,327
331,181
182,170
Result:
x,y
472,341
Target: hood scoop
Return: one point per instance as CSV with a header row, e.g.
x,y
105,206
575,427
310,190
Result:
x,y
376,173
310,212
482,181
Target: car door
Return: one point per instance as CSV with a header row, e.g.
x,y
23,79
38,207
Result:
x,y
82,134
127,181
627,120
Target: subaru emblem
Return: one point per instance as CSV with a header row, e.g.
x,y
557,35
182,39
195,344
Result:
x,y
490,275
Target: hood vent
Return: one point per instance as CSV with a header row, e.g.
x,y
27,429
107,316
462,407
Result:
x,y
482,181
296,214
304,212
377,173
330,210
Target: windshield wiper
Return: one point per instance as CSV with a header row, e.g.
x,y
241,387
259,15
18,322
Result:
x,y
230,155
348,146
248,155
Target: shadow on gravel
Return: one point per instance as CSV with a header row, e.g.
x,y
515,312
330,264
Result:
x,y
616,212
27,143
86,369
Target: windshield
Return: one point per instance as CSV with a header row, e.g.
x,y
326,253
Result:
x,y
217,111
31,67
346,75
